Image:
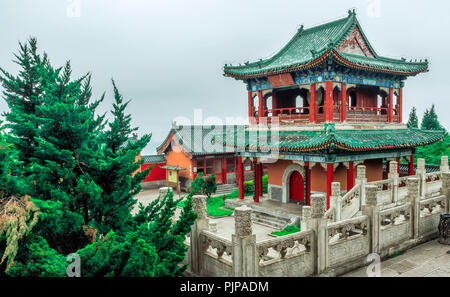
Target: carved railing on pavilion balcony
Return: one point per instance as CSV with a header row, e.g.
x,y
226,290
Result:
x,y
301,115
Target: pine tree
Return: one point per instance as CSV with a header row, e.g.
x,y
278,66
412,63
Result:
x,y
119,177
81,178
430,120
23,93
413,121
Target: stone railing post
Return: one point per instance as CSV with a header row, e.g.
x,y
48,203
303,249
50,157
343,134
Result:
x,y
413,197
245,256
200,224
371,210
444,164
421,173
319,226
336,200
393,177
445,176
362,181
305,223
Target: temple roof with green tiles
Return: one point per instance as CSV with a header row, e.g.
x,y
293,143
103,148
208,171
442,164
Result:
x,y
342,41
345,140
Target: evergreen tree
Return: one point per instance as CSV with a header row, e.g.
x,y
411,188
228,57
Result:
x,y
23,94
413,121
119,176
81,180
430,120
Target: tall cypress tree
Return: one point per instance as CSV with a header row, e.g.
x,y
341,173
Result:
x,y
80,177
430,120
119,176
413,121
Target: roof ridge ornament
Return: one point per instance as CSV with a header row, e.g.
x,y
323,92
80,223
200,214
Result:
x,y
352,12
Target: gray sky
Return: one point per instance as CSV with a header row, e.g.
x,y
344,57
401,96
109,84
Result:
x,y
167,56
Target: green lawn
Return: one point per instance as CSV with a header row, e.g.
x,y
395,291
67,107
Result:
x,y
215,206
286,231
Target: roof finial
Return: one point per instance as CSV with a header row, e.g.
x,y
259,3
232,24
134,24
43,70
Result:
x,y
300,29
352,12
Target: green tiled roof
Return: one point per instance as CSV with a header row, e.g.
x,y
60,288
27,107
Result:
x,y
154,159
196,140
311,46
348,140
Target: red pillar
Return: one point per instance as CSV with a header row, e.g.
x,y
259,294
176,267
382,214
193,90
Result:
x,y
400,105
260,106
398,165
312,104
343,102
250,105
330,177
274,104
328,101
308,183
261,174
390,104
255,181
240,178
224,171
411,166
350,176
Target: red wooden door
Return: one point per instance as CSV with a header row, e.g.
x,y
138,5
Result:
x,y
296,187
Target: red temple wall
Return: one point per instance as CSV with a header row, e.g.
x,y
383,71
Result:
x,y
374,172
156,174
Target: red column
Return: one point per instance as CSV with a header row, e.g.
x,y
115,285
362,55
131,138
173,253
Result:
x,y
274,104
400,105
224,171
260,107
330,177
240,178
312,104
261,174
390,104
328,101
255,181
308,183
343,102
350,176
398,165
250,105
411,166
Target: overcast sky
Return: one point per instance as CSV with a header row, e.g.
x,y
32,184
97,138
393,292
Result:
x,y
167,56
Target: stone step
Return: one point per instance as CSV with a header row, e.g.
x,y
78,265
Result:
x,y
270,220
269,223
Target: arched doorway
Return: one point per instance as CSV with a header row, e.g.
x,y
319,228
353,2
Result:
x,y
296,190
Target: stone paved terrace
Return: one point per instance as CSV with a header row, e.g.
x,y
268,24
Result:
x,y
430,259
273,206
225,225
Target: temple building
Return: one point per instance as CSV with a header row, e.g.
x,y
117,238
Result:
x,y
321,106
189,151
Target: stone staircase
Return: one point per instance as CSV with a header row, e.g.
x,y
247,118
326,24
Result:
x,y
271,220
225,189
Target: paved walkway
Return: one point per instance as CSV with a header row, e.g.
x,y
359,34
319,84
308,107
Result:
x,y
225,226
273,206
430,259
